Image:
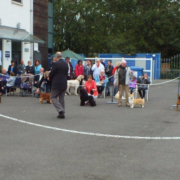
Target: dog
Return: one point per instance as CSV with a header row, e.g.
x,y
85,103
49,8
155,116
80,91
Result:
x,y
178,102
45,97
85,97
74,83
134,102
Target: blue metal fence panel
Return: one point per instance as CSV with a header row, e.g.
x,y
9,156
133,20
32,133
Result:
x,y
131,63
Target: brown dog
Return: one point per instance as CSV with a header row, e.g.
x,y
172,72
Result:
x,y
178,102
45,97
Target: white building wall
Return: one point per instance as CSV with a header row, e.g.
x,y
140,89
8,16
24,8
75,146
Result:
x,y
6,46
13,13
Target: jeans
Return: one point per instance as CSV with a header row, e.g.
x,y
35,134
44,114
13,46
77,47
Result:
x,y
131,90
100,89
142,93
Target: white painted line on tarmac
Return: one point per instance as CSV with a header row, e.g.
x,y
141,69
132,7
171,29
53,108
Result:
x,y
88,133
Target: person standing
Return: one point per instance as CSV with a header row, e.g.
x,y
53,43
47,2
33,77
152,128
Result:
x,y
12,68
79,68
102,62
121,78
21,68
58,76
96,68
70,68
113,72
37,67
29,68
108,71
87,70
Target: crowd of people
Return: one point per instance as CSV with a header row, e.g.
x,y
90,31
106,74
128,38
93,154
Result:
x,y
8,77
99,77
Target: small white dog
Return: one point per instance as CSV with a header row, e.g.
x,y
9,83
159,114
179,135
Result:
x,y
74,83
134,102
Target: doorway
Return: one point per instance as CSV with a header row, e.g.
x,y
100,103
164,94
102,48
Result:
x,y
16,52
16,56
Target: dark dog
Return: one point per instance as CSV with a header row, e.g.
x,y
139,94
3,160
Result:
x,y
85,97
178,102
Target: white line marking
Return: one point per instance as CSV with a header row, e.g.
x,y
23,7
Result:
x,y
88,133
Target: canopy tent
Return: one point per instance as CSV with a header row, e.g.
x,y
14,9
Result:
x,y
71,54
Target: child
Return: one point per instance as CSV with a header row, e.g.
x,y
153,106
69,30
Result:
x,y
132,84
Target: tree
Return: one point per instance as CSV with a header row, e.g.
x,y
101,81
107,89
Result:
x,y
117,26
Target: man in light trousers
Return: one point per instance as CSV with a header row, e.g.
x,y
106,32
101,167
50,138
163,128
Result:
x,y
121,79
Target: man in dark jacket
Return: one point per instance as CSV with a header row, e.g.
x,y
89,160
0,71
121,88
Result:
x,y
29,68
70,68
108,71
58,76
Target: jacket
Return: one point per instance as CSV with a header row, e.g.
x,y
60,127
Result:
x,y
132,84
11,81
127,77
87,71
114,70
79,70
70,71
4,77
143,83
14,69
58,75
108,70
92,86
98,79
21,69
30,69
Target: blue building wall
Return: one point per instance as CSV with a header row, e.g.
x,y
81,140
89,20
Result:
x,y
157,61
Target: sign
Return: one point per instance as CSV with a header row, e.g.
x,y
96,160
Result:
x,y
36,48
7,54
26,49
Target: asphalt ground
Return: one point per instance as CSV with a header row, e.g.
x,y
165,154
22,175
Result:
x,y
29,152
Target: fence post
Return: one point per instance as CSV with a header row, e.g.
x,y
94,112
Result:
x,y
112,96
179,85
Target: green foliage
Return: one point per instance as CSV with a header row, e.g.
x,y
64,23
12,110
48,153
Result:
x,y
117,26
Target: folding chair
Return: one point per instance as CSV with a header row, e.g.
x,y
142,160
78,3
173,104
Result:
x,y
17,85
147,92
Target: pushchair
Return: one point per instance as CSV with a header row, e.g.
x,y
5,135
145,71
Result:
x,y
25,88
26,84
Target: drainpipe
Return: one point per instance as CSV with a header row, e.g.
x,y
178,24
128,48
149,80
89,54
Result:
x,y
31,30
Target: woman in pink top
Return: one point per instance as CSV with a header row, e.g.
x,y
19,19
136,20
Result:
x,y
91,85
79,69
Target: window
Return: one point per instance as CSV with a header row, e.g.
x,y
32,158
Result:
x,y
19,2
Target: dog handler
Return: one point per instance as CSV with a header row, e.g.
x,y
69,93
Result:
x,y
121,79
58,76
